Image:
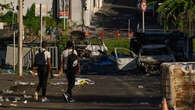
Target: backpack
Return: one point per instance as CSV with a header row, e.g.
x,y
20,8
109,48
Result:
x,y
40,58
72,62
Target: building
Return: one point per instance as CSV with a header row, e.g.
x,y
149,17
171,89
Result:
x,y
80,11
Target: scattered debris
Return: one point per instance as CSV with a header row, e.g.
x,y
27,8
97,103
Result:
x,y
1,99
9,70
18,98
7,99
27,96
25,102
1,104
83,81
24,83
59,83
7,91
31,73
140,86
144,103
14,105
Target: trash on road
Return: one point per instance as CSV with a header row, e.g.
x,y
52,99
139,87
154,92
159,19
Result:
x,y
31,73
24,83
1,99
144,103
27,96
17,98
14,105
83,81
140,86
7,99
9,70
59,83
7,91
25,102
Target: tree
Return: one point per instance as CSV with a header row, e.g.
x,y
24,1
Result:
x,y
177,14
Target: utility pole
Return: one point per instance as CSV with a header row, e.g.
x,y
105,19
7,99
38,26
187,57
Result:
x,y
64,14
20,54
41,25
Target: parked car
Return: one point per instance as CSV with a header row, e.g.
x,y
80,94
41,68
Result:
x,y
151,56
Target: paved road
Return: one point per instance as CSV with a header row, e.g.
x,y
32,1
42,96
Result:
x,y
126,92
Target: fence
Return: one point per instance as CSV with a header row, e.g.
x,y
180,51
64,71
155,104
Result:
x,y
28,59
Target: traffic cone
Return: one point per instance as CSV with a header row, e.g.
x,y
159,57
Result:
x,y
87,33
164,104
102,34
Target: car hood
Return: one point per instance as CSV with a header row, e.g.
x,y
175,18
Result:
x,y
157,59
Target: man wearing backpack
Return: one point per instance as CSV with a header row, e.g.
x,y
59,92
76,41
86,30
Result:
x,y
70,64
43,64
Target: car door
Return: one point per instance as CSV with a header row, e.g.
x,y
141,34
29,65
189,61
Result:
x,y
125,58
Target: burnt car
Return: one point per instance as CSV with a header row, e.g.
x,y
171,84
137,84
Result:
x,y
124,59
151,56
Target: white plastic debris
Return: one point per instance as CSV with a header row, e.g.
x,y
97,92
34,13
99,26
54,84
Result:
x,y
25,102
1,104
1,99
32,83
144,103
23,83
27,96
7,91
83,81
7,99
15,101
31,73
14,105
59,83
17,98
140,86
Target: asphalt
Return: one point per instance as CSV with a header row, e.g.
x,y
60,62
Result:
x,y
108,92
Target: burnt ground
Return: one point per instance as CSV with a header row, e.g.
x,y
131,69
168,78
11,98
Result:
x,y
110,92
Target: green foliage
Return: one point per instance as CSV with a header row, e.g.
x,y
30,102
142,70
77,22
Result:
x,y
176,13
5,7
8,17
31,21
62,42
111,44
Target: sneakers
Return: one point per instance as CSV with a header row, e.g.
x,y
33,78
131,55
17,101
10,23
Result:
x,y
71,100
66,98
36,96
45,99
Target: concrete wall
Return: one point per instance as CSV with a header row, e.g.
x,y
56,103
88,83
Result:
x,y
76,11
92,7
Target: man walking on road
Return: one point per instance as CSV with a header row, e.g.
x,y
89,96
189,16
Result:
x,y
43,64
66,57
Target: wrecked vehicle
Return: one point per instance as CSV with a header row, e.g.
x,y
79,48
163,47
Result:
x,y
121,59
178,42
88,47
151,56
97,48
125,59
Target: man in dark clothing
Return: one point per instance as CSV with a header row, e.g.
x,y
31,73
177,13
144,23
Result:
x,y
43,68
70,75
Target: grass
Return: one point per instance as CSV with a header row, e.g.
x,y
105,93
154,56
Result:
x,y
111,44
